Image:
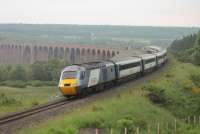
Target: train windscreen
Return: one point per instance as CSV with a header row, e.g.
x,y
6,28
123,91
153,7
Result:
x,y
69,75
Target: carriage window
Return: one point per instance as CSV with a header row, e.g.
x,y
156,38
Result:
x,y
111,70
130,65
150,60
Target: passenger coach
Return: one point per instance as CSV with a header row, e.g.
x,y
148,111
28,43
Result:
x,y
90,77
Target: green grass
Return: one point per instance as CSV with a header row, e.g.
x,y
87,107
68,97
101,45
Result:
x,y
108,113
132,108
16,99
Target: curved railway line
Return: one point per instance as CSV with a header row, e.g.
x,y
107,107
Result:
x,y
33,111
10,123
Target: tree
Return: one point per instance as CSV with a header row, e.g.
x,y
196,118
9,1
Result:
x,y
4,71
17,73
47,71
187,49
196,54
39,71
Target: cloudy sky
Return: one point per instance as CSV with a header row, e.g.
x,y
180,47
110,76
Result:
x,y
101,12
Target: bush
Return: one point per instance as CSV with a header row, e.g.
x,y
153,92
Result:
x,y
4,100
97,108
126,122
17,83
35,103
157,94
42,72
50,83
195,77
17,73
56,131
36,83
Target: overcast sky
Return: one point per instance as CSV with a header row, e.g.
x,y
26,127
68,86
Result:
x,y
101,12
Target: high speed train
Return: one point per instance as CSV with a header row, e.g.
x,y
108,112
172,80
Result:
x,y
76,80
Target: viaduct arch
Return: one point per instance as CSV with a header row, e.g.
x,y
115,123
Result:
x,y
74,54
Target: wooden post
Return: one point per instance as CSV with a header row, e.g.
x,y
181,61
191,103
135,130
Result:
x,y
111,131
96,131
175,126
137,130
158,128
125,130
148,129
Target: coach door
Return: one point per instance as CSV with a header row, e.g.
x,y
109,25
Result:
x,y
105,75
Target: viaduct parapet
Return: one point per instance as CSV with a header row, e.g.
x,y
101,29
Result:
x,y
29,53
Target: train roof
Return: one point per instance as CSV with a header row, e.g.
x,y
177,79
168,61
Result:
x,y
73,68
161,53
125,59
96,64
145,56
89,65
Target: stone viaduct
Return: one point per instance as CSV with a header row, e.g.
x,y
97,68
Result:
x,y
29,53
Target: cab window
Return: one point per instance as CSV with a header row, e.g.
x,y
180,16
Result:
x,y
69,75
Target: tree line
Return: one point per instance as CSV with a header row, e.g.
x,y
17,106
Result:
x,y
37,73
187,49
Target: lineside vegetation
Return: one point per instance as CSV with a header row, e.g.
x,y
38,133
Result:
x,y
168,96
38,74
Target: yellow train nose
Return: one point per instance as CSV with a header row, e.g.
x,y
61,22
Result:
x,y
68,86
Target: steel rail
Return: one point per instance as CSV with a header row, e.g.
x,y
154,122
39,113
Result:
x,y
33,111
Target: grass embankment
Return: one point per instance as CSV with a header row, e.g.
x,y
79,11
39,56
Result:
x,y
16,99
171,94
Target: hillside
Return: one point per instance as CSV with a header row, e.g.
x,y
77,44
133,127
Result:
x,y
114,36
167,95
187,49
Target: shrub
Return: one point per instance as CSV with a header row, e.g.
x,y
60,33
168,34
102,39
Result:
x,y
195,77
97,108
157,94
92,122
126,123
35,103
4,100
36,83
169,75
17,73
56,131
50,83
17,84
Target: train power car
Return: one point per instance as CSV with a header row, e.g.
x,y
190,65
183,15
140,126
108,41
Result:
x,y
82,79
90,77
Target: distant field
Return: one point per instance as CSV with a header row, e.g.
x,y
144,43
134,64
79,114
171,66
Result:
x,y
17,99
114,36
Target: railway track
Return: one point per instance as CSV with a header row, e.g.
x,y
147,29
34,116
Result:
x,y
33,111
